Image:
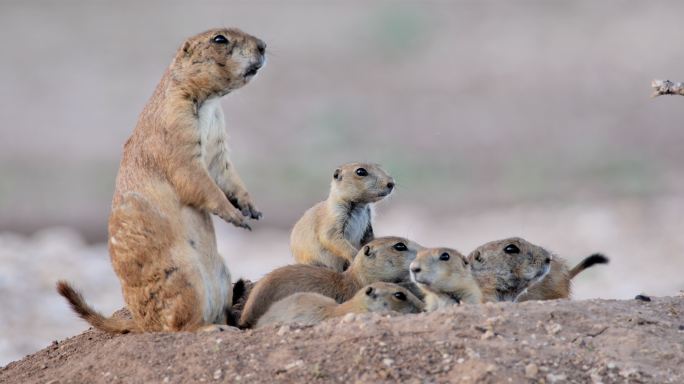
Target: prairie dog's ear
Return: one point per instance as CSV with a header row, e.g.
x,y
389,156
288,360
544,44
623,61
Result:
x,y
187,50
336,175
475,256
366,250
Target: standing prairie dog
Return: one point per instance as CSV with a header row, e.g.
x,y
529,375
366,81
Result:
x,y
174,174
332,231
384,259
445,277
308,308
514,269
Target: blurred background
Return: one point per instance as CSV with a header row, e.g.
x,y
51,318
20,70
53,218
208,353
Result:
x,y
496,118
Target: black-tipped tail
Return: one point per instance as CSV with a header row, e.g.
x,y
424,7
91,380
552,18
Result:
x,y
590,261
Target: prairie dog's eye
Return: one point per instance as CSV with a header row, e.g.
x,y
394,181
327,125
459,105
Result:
x,y
400,296
361,172
444,256
369,291
400,247
220,39
511,249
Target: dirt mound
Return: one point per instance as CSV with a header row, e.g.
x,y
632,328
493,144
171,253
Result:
x,y
557,341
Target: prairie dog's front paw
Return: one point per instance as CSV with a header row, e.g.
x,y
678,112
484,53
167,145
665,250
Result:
x,y
246,206
233,216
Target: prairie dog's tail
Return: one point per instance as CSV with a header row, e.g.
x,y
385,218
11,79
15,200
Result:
x,y
87,313
594,259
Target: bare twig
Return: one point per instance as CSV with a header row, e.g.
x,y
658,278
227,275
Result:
x,y
667,87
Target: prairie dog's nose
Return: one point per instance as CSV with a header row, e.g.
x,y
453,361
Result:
x,y
415,268
261,47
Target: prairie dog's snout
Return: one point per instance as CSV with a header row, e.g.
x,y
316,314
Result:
x,y
414,270
258,62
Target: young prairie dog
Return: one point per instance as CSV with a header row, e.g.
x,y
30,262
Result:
x,y
516,270
445,277
332,231
308,308
174,174
385,259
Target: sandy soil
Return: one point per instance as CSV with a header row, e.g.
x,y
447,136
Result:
x,y
605,341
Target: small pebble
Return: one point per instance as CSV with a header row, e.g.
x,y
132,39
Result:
x,y
283,330
217,374
487,335
388,362
555,378
531,370
554,328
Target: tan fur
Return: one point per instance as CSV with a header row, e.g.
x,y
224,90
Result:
x,y
558,283
506,276
174,174
331,232
376,261
445,277
308,308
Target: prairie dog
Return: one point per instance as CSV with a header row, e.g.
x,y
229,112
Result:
x,y
309,308
445,277
332,231
385,259
505,269
174,174
516,270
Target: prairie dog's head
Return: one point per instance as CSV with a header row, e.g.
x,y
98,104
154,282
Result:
x,y
219,60
361,183
385,259
512,265
443,270
384,297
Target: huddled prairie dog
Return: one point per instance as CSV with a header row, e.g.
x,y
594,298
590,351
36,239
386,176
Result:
x,y
384,259
174,174
332,231
504,269
445,277
514,269
308,308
